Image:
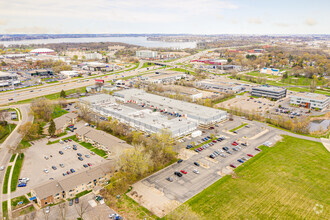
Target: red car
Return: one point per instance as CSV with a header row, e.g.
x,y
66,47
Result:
x,y
257,149
214,141
183,171
250,155
89,164
234,143
232,165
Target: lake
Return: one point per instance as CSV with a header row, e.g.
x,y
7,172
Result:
x,y
140,41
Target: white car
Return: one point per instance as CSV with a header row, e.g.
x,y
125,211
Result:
x,y
196,171
46,171
2,168
47,210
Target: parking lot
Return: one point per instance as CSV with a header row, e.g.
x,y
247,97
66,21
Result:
x,y
35,162
247,103
209,170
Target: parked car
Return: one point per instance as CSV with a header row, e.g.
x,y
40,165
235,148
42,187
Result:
x,y
46,171
74,147
179,161
85,165
196,171
240,160
235,149
250,155
80,158
257,149
178,174
87,156
183,171
232,165
72,170
22,185
169,179
60,152
2,168
197,164
61,165
46,157
76,200
225,148
71,202
54,168
47,210
89,164
79,154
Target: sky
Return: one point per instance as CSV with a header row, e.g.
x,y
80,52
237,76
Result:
x,y
164,17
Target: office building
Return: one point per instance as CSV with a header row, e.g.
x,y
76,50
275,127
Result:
x,y
310,100
269,92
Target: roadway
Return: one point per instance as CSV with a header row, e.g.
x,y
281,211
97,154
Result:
x,y
12,140
25,94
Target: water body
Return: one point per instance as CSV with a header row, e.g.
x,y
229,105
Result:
x,y
317,124
140,41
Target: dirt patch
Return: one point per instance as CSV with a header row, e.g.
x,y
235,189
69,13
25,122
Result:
x,y
153,199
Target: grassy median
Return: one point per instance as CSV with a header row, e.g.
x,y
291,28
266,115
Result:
x,y
5,182
287,181
16,172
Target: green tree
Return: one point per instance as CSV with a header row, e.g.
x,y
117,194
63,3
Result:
x,y
51,128
75,57
62,94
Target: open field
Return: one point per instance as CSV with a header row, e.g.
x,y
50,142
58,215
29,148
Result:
x,y
288,180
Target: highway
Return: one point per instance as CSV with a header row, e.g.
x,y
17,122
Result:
x,y
24,94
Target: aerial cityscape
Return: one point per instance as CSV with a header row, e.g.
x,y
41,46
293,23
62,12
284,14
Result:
x,y
190,110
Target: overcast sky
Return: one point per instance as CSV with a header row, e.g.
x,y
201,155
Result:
x,y
165,16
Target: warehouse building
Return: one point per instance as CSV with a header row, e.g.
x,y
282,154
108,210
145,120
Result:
x,y
201,114
146,54
310,100
142,118
8,79
165,76
269,92
219,85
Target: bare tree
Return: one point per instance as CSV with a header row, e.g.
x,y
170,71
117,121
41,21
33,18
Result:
x,y
62,208
81,209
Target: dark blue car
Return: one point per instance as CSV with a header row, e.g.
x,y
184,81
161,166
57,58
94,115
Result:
x,y
22,185
241,161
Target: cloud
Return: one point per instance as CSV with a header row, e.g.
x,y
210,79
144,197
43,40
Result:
x,y
234,21
3,21
27,30
219,17
254,21
282,24
310,22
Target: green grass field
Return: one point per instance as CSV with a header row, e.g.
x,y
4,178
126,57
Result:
x,y
16,172
58,111
6,132
238,127
287,181
15,201
4,208
5,182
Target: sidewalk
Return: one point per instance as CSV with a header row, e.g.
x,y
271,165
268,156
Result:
x,y
9,187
